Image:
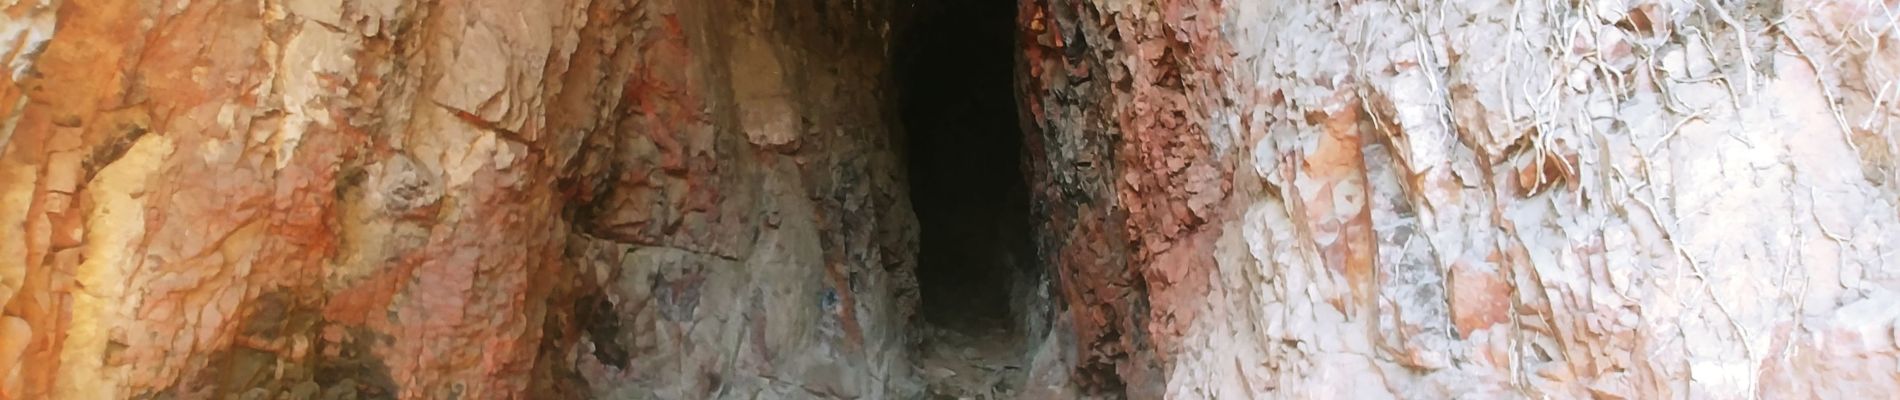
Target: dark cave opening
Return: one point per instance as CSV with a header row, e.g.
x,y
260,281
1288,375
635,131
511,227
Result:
x,y
954,72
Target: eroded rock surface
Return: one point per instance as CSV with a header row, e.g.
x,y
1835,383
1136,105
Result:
x,y
467,199
492,199
1626,199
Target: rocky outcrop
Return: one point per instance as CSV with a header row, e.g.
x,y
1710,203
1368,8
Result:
x,y
1470,199
1115,104
478,199
708,199
741,221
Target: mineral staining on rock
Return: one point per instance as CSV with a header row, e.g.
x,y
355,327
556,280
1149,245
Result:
x,y
495,199
707,199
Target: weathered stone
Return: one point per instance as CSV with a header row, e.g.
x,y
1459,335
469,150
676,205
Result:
x,y
495,199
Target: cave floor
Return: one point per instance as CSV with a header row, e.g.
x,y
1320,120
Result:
x,y
976,360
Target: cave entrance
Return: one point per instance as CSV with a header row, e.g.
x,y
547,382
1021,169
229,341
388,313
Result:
x,y
965,156
977,267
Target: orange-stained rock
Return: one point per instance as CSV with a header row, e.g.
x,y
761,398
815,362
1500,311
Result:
x,y
1480,297
1117,125
377,198
505,199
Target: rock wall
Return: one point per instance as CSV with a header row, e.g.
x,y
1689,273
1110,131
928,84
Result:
x,y
454,199
744,231
705,199
1132,180
1623,199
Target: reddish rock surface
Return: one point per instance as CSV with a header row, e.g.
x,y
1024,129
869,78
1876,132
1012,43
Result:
x,y
1116,101
493,199
465,199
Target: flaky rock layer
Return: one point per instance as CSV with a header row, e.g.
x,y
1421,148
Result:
x,y
495,199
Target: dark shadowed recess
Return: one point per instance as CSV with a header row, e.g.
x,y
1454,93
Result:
x,y
954,66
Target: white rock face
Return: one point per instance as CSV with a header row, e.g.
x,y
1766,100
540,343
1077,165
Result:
x,y
1647,199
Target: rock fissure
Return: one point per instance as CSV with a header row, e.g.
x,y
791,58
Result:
x,y
895,199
